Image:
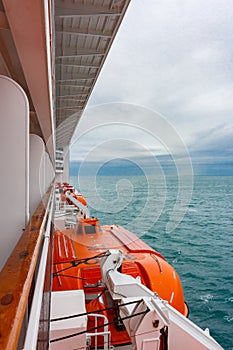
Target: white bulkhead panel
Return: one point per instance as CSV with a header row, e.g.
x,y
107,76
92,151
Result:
x,y
14,158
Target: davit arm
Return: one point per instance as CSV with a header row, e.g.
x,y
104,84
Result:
x,y
150,321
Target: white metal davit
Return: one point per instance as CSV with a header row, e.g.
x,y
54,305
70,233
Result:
x,y
151,323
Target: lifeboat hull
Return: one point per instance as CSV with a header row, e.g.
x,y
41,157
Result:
x,y
77,256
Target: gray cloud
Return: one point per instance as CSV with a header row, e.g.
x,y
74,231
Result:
x,y
174,57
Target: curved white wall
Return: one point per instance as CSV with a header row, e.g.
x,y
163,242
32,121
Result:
x,y
41,172
14,157
37,172
49,171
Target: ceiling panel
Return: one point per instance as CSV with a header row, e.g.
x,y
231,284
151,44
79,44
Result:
x,y
84,31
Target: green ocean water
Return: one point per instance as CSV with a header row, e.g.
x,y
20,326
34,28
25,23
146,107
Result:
x,y
199,242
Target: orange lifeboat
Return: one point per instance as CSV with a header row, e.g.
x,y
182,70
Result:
x,y
77,197
69,188
77,256
80,198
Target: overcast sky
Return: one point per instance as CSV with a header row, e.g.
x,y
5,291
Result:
x,y
166,86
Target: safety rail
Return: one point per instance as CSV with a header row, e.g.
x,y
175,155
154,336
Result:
x,y
96,334
35,311
16,277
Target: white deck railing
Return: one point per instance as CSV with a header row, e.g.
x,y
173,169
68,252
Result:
x,y
105,334
34,318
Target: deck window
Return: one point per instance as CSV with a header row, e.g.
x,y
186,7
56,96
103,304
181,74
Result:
x,y
90,229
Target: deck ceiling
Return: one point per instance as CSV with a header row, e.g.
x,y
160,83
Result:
x,y
84,32
55,50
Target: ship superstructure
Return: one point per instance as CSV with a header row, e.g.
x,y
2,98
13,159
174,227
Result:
x,y
51,54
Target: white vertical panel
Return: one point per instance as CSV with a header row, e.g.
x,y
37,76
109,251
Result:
x,y
42,174
37,172
63,176
49,171
66,172
14,155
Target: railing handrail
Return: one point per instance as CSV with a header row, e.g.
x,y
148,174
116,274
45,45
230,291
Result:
x,y
34,318
17,275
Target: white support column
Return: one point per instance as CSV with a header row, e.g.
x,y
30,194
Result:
x,y
37,172
14,157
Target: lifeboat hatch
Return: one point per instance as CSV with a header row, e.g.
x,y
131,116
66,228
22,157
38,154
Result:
x,y
88,226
